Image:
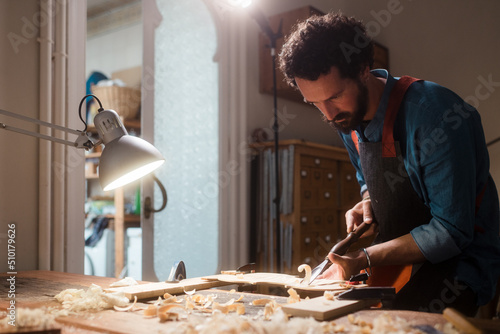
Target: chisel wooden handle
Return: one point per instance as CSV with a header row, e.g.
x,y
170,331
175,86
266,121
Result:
x,y
342,246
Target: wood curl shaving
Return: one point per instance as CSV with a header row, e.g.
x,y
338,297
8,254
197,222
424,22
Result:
x,y
329,295
261,301
168,316
150,311
294,296
126,308
307,277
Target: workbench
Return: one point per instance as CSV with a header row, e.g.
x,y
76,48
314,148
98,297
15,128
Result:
x,y
36,289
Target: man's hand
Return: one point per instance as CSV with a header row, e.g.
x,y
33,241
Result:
x,y
343,267
361,212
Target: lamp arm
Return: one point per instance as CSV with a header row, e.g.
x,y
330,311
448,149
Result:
x,y
82,141
148,205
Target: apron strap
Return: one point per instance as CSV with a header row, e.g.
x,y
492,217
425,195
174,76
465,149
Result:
x,y
395,99
355,139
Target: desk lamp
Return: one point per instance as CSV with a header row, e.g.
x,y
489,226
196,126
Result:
x,y
124,158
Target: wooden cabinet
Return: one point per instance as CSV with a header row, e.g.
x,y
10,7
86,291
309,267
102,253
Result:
x,y
319,182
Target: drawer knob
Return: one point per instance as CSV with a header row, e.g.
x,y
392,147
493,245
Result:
x,y
307,240
317,161
307,260
329,176
328,238
348,177
327,195
303,219
303,173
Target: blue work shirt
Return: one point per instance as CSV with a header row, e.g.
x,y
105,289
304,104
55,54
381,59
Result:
x,y
445,155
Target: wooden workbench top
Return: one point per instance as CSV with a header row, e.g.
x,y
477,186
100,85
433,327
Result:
x,y
36,289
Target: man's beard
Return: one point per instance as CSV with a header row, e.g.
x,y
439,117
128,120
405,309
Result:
x,y
351,120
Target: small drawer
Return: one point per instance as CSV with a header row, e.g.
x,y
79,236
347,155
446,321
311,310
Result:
x,y
318,162
308,197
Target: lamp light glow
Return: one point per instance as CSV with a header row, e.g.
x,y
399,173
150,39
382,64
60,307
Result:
x,y
245,3
126,159
240,3
133,175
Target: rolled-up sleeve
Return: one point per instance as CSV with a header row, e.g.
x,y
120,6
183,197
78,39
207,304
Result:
x,y
434,241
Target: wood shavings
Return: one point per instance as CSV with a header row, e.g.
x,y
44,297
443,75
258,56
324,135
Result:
x,y
331,295
168,307
261,301
307,277
94,298
220,308
127,281
229,302
168,316
168,298
34,319
126,308
294,296
238,307
150,311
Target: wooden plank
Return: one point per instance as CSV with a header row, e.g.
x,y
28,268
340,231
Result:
x,y
283,280
322,309
154,290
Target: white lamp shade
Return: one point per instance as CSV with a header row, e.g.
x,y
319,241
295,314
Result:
x,y
126,159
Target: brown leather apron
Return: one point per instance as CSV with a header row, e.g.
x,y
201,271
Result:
x,y
397,208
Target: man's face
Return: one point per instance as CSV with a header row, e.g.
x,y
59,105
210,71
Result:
x,y
342,101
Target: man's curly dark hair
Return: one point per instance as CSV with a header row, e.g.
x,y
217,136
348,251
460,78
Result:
x,y
320,42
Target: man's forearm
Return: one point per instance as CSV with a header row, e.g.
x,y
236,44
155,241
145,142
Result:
x,y
399,251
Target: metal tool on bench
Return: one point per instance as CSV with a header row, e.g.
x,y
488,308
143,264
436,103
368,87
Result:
x,y
340,249
177,273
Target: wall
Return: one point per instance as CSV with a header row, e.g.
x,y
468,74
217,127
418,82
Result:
x,y
19,68
453,42
115,50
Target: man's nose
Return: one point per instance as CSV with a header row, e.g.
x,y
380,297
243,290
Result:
x,y
329,111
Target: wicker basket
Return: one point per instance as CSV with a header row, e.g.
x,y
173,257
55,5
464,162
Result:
x,y
124,100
